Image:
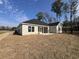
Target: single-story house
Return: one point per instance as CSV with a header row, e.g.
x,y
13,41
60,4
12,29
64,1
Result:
x,y
35,26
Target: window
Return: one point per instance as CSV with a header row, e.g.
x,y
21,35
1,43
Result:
x,y
40,29
30,29
45,30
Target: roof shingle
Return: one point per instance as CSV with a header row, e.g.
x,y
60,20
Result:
x,y
53,24
38,22
35,21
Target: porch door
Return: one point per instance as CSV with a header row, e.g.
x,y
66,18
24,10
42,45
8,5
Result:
x,y
40,29
45,30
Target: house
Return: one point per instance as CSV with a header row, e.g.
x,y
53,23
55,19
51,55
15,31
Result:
x,y
35,26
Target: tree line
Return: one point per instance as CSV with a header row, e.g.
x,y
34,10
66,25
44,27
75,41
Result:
x,y
63,10
7,28
66,10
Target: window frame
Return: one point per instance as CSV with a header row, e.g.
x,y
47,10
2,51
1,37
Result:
x,y
31,28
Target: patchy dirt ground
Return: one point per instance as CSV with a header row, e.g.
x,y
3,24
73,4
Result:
x,y
57,46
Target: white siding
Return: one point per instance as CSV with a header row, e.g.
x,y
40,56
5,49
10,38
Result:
x,y
59,28
25,30
52,29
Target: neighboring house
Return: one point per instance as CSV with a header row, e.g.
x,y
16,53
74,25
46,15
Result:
x,y
35,26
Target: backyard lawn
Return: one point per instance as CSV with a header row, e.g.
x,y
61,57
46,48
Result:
x,y
56,46
4,31
1,32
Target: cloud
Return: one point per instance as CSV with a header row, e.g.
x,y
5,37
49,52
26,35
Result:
x,y
1,11
78,9
20,16
5,22
17,14
8,5
1,2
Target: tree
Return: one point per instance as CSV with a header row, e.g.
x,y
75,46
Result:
x,y
13,28
65,25
40,16
57,8
48,18
72,11
65,10
45,17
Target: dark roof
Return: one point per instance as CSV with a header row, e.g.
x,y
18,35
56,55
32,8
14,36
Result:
x,y
53,24
35,21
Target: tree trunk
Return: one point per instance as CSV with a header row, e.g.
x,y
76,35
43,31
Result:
x,y
71,25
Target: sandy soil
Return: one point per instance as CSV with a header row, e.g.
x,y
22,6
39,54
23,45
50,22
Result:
x,y
57,46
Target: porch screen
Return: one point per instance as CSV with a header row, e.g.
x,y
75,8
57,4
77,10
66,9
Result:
x,y
45,30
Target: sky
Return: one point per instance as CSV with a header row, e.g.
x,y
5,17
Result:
x,y
13,12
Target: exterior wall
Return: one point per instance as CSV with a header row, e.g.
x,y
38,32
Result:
x,y
25,30
55,29
52,29
59,28
43,32
19,29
